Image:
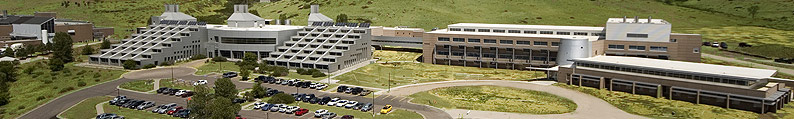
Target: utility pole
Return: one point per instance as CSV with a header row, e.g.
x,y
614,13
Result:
x,y
373,105
389,89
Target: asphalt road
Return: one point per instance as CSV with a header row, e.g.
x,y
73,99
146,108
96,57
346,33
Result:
x,y
56,106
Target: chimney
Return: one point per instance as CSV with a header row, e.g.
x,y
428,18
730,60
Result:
x,y
636,19
649,19
624,19
315,8
5,13
242,8
171,8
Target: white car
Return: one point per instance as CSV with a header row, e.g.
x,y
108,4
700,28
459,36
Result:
x,y
292,109
283,108
321,86
200,82
351,104
341,103
320,112
258,105
180,92
333,102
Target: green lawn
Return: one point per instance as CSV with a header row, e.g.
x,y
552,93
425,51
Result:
x,y
340,111
662,108
765,41
171,83
494,98
142,85
378,75
295,75
214,66
135,114
385,55
40,85
85,109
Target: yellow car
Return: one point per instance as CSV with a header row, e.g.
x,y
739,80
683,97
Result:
x,y
386,109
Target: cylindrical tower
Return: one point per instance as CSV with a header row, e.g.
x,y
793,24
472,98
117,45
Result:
x,y
571,48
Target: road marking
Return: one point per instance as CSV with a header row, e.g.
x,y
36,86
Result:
x,y
401,99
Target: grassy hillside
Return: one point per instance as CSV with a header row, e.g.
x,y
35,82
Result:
x,y
778,14
439,13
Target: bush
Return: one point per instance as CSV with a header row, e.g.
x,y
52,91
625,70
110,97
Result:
x,y
149,66
281,98
198,57
318,74
165,64
21,107
47,81
219,59
39,98
64,90
96,80
129,64
302,71
279,71
56,64
81,84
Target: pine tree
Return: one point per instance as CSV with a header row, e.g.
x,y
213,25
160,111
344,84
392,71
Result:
x,y
225,88
62,47
105,44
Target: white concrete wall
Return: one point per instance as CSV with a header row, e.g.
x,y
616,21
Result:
x,y
656,32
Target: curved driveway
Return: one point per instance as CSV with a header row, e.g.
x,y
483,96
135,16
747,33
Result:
x,y
588,107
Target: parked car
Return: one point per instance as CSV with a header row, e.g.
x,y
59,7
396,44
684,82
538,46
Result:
x,y
349,90
357,106
366,107
347,117
200,82
320,113
321,87
283,108
163,111
173,91
185,113
161,89
356,90
386,109
364,93
307,97
238,100
109,116
259,105
341,103
301,112
277,81
117,99
341,89
313,85
162,108
305,84
329,115
275,108
314,100
332,102
122,102
324,100
350,104
299,96
129,104
267,107
145,105
186,94
292,109
229,74
172,111
284,82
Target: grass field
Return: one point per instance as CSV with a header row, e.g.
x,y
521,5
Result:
x,y
37,85
142,85
85,109
378,75
771,13
171,83
135,114
765,41
214,66
662,108
494,98
385,55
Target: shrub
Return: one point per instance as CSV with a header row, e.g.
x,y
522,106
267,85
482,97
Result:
x,y
198,57
302,71
39,98
97,75
281,98
219,59
47,81
165,64
67,89
96,80
149,66
318,74
129,64
81,84
21,107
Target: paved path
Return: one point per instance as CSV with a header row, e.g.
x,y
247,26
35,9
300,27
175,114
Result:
x,y
99,108
784,70
587,105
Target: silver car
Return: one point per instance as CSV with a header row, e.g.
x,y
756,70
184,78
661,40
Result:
x,y
145,105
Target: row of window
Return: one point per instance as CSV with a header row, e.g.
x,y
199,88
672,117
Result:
x,y
527,31
493,41
669,74
501,56
636,47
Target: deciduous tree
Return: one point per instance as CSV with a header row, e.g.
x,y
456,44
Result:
x,y
225,88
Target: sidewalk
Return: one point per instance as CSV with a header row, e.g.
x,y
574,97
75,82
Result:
x,y
99,108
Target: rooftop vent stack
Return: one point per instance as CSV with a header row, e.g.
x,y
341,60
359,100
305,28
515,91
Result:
x,y
315,8
241,8
636,19
171,8
624,19
5,13
649,19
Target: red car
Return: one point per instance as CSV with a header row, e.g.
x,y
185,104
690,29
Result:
x,y
301,112
171,112
347,117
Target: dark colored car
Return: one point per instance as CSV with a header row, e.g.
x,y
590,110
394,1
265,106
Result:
x,y
301,112
117,99
299,97
324,100
173,91
135,104
185,113
109,116
267,107
187,94
164,91
314,100
260,78
341,89
161,89
366,107
347,117
358,106
122,101
292,83
356,90
305,84
229,74
238,100
307,97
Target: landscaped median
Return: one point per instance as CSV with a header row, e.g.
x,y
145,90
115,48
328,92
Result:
x,y
494,98
85,109
662,108
140,85
379,75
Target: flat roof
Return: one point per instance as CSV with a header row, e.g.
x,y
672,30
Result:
x,y
257,28
399,28
631,20
516,26
684,66
445,31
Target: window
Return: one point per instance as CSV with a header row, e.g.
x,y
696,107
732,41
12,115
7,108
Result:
x,y
616,47
488,55
443,39
489,41
442,53
580,33
446,46
531,32
523,42
468,30
659,48
636,35
454,29
596,34
506,42
634,47
546,32
541,43
498,31
458,40
555,43
230,40
563,33
473,40
483,30
696,50
673,40
513,31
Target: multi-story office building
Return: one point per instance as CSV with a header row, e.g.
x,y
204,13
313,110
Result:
x,y
330,46
172,37
30,29
725,86
246,33
397,36
520,46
